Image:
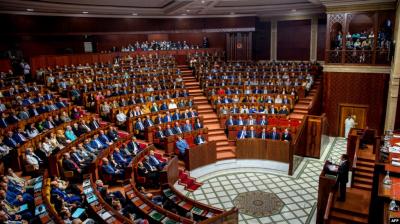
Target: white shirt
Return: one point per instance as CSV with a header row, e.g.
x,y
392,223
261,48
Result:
x,y
121,117
172,106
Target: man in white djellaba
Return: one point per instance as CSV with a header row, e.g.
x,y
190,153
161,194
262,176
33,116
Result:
x,y
349,123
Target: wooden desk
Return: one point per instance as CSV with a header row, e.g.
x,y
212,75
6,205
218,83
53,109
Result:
x,y
200,155
325,187
263,149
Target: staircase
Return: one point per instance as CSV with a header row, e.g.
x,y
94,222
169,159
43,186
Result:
x,y
301,108
353,211
364,169
215,131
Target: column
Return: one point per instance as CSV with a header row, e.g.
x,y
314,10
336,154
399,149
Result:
x,y
314,38
274,39
393,93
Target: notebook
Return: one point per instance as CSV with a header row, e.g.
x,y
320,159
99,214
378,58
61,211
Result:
x,y
78,212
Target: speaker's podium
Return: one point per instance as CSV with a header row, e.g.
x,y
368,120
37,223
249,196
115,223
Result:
x,y
326,190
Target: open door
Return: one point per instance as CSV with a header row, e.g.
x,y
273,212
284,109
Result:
x,y
358,113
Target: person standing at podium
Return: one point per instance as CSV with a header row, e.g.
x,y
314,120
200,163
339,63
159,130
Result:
x,y
343,176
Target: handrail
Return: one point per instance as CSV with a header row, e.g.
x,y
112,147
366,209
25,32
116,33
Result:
x,y
328,206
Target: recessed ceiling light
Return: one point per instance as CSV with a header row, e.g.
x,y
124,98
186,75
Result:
x,y
184,14
85,12
294,10
187,10
232,13
134,14
30,10
202,2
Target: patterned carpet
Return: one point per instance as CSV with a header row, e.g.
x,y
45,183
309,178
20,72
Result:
x,y
298,193
258,203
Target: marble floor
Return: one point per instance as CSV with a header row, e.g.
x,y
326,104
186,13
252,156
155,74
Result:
x,y
225,180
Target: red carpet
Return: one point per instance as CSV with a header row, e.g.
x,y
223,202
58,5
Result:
x,y
190,183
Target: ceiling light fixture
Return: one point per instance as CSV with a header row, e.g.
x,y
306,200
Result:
x,y
134,14
187,10
184,14
85,12
232,13
202,2
30,10
294,10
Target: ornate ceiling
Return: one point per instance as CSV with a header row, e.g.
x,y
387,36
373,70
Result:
x,y
171,8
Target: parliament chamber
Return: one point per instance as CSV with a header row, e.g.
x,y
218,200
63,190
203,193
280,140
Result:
x,y
200,111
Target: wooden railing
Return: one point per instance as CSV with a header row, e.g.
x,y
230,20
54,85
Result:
x,y
329,205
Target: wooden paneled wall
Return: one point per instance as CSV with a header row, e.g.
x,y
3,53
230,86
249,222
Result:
x,y
239,46
37,35
355,88
294,40
397,121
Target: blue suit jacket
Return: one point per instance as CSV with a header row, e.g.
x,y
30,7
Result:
x,y
240,134
182,146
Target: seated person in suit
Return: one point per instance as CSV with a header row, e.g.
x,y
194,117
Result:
x,y
278,99
240,121
274,135
263,134
242,134
160,134
230,121
109,169
139,126
176,115
70,165
32,159
107,195
104,139
284,110
178,129
251,133
154,161
168,131
197,124
286,136
251,121
134,146
263,121
182,145
159,119
10,140
191,113
167,117
97,144
273,110
78,159
199,139
69,198
145,171
148,122
187,127
113,134
120,159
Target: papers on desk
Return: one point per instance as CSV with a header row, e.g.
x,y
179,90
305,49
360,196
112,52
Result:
x,y
395,163
398,143
394,149
396,136
332,168
105,215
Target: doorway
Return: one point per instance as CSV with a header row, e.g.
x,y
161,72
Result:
x,y
358,113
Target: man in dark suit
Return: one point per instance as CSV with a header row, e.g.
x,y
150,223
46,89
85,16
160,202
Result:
x,y
343,177
160,134
251,133
286,136
154,161
274,135
94,124
148,122
133,146
70,165
199,139
178,129
168,131
263,134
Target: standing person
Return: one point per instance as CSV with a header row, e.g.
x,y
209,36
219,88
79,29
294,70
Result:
x,y
343,176
349,123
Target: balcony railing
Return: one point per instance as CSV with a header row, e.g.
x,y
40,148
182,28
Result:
x,y
365,57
